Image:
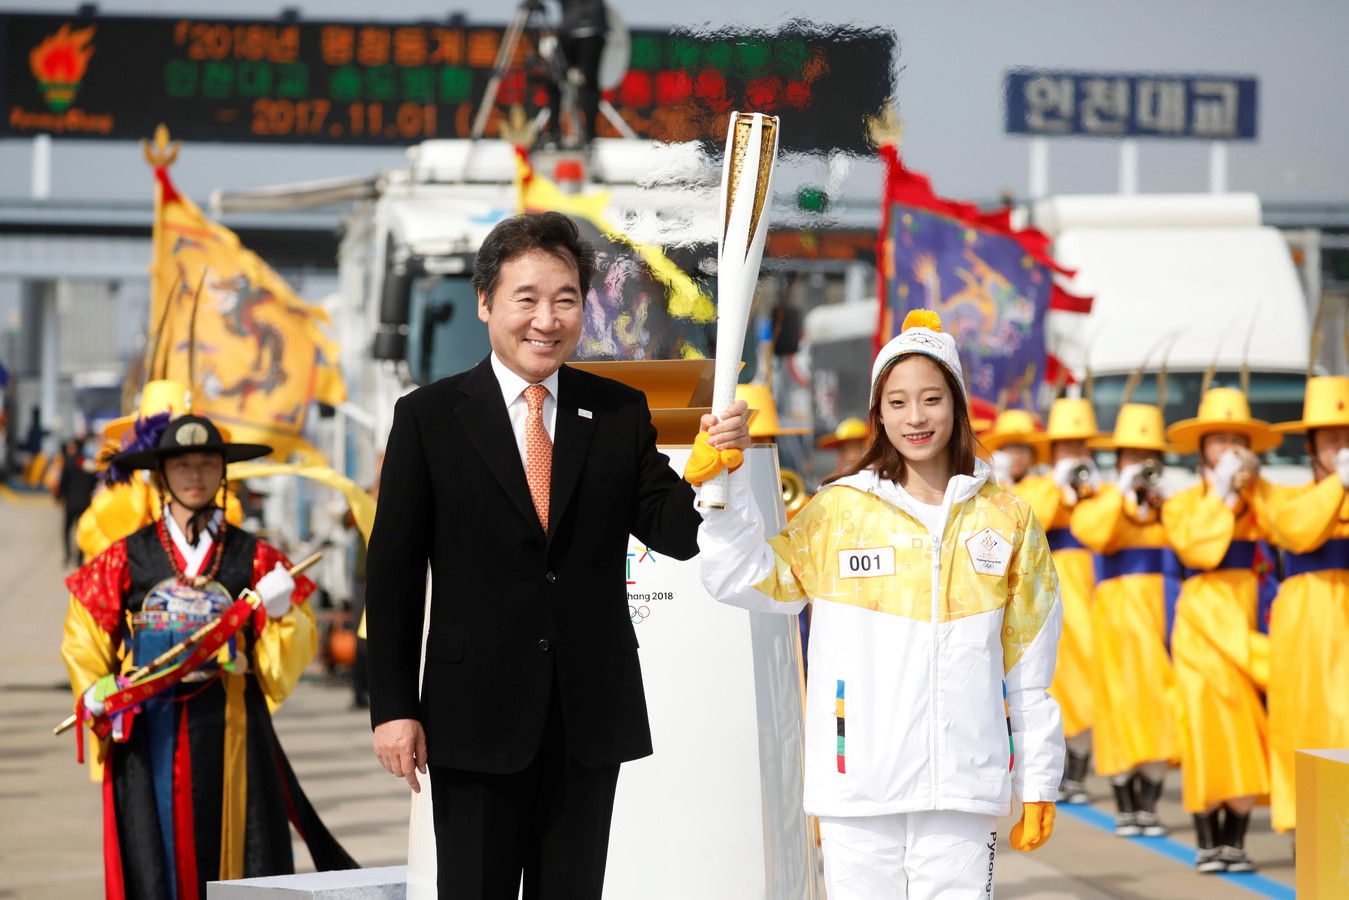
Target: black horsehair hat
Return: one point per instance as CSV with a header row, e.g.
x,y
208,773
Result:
x,y
187,434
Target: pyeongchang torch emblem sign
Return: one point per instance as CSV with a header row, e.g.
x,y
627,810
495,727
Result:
x,y
59,64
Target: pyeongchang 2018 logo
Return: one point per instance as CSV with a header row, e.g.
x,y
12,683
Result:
x,y
639,559
59,64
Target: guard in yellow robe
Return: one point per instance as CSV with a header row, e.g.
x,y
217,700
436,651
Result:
x,y
1052,497
1218,652
1135,734
1309,624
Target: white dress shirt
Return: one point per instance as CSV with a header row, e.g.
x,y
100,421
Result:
x,y
517,407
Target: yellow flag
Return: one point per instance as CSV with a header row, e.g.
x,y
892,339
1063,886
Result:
x,y
225,323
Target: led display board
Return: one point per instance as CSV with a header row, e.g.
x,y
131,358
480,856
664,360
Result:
x,y
301,81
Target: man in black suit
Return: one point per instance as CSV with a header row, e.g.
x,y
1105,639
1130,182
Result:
x,y
520,481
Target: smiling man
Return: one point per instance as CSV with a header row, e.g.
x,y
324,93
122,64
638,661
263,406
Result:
x,y
519,482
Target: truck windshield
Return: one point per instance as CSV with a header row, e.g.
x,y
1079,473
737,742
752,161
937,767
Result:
x,y
1274,397
445,335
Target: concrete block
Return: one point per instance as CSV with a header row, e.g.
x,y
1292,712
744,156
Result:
x,y
389,883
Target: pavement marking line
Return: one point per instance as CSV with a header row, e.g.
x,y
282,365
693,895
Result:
x,y
1251,881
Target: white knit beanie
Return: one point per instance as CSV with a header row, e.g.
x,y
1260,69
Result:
x,y
921,334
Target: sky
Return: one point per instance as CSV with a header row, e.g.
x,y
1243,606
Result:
x,y
948,88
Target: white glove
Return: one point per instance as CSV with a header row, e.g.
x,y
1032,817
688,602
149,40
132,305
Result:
x,y
1002,468
1063,477
92,704
1128,477
275,589
1221,475
1342,465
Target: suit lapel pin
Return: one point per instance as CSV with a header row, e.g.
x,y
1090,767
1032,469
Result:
x,y
585,414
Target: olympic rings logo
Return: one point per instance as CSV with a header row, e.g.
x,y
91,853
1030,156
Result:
x,y
638,613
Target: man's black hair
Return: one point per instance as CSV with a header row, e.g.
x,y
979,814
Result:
x,y
548,231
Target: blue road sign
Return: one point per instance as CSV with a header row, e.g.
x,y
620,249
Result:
x,y
1061,103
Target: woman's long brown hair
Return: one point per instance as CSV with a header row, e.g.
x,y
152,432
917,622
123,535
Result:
x,y
886,459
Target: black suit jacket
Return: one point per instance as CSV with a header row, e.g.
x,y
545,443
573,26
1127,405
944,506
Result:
x,y
511,607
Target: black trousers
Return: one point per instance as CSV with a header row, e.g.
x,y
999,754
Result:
x,y
549,821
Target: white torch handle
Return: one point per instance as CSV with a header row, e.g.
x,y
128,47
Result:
x,y
746,198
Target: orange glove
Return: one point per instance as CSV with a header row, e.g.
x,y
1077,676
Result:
x,y
706,462
1035,827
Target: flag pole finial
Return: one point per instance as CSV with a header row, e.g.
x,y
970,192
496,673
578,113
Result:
x,y
163,152
885,129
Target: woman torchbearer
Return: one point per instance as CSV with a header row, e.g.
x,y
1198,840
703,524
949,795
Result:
x,y
935,625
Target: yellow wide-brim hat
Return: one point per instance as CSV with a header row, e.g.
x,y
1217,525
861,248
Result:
x,y
158,396
850,429
1139,426
1014,426
1070,419
765,424
1223,410
1326,405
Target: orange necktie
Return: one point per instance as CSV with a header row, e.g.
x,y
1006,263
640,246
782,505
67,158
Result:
x,y
538,451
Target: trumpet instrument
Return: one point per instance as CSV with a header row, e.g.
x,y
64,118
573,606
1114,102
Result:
x,y
1147,483
1079,479
1249,471
794,495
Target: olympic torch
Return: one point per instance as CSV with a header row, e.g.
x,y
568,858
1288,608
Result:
x,y
746,199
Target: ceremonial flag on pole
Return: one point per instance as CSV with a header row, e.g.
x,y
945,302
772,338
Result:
x,y
641,304
227,325
992,285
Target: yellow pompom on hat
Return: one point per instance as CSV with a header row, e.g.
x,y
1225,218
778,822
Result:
x,y
1223,409
850,429
1070,419
1325,406
921,333
1013,426
1139,426
922,318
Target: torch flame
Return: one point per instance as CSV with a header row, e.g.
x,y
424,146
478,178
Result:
x,y
63,57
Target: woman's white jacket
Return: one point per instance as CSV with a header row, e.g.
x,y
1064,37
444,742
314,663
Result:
x,y
930,655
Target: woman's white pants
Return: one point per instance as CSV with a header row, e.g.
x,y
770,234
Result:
x,y
939,855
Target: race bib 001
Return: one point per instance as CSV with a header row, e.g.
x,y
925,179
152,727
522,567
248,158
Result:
x,y
866,562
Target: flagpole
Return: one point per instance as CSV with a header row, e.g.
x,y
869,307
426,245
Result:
x,y
161,154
